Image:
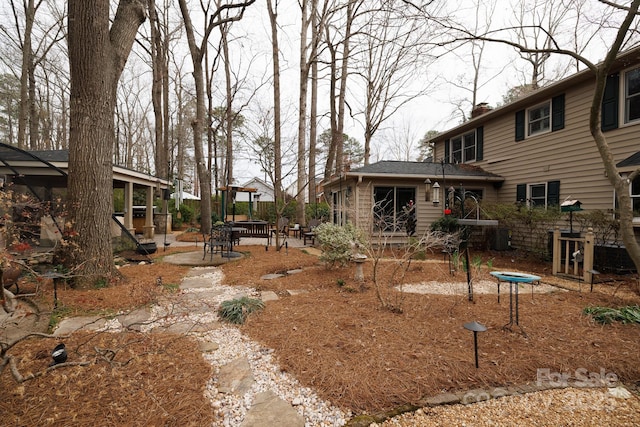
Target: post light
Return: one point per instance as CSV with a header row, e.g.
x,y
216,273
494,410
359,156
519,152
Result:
x,y
475,327
436,194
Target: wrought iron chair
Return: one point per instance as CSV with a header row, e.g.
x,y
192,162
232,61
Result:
x,y
219,240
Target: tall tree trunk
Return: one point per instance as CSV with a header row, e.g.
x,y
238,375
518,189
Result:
x,y
313,117
219,17
277,153
228,111
302,112
159,75
97,57
26,73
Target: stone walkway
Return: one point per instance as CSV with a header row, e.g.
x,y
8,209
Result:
x,y
180,314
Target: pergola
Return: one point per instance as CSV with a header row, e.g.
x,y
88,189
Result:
x,y
44,172
229,192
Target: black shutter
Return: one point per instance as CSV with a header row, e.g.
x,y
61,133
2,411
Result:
x,y
610,103
557,111
521,193
479,142
553,193
447,148
520,125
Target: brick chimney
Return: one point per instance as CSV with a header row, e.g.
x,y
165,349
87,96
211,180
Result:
x,y
480,109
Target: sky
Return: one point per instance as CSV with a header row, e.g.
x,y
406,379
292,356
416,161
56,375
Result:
x,y
436,110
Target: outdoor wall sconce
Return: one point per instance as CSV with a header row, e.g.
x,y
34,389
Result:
x,y
436,193
427,189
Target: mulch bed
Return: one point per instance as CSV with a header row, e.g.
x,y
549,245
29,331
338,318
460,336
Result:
x,y
336,338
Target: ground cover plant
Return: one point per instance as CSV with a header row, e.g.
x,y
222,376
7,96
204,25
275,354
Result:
x,y
336,339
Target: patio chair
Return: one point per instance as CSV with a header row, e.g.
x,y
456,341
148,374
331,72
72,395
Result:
x,y
308,233
219,240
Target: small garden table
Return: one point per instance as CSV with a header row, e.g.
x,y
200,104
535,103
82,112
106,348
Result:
x,y
513,278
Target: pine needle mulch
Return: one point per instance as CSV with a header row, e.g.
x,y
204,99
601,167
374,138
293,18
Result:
x,y
333,336
129,379
337,339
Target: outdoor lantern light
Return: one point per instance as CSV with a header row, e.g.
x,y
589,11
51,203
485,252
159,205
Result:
x,y
436,193
427,189
59,354
475,327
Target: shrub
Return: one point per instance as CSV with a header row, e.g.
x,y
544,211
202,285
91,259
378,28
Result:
x,y
605,315
237,310
445,224
317,210
337,242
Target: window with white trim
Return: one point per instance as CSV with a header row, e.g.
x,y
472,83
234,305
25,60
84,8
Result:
x,y
537,195
539,118
463,148
632,95
635,197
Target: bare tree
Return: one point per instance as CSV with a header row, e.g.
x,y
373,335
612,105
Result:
x,y
393,49
338,33
471,84
312,21
537,23
33,52
223,14
272,7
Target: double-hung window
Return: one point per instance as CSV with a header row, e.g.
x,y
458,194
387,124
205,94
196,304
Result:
x,y
540,194
464,147
539,118
390,207
547,116
632,95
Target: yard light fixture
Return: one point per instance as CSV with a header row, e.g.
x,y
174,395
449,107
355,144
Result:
x,y
59,354
436,193
475,327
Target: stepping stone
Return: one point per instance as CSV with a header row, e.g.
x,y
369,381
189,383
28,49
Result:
x,y
268,296
89,323
236,377
134,320
294,292
296,271
272,276
196,282
184,327
269,410
196,271
208,346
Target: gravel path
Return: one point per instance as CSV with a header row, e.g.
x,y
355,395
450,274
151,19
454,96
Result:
x,y
558,407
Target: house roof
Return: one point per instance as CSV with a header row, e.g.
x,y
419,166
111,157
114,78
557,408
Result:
x,y
56,162
623,60
258,180
632,160
401,169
